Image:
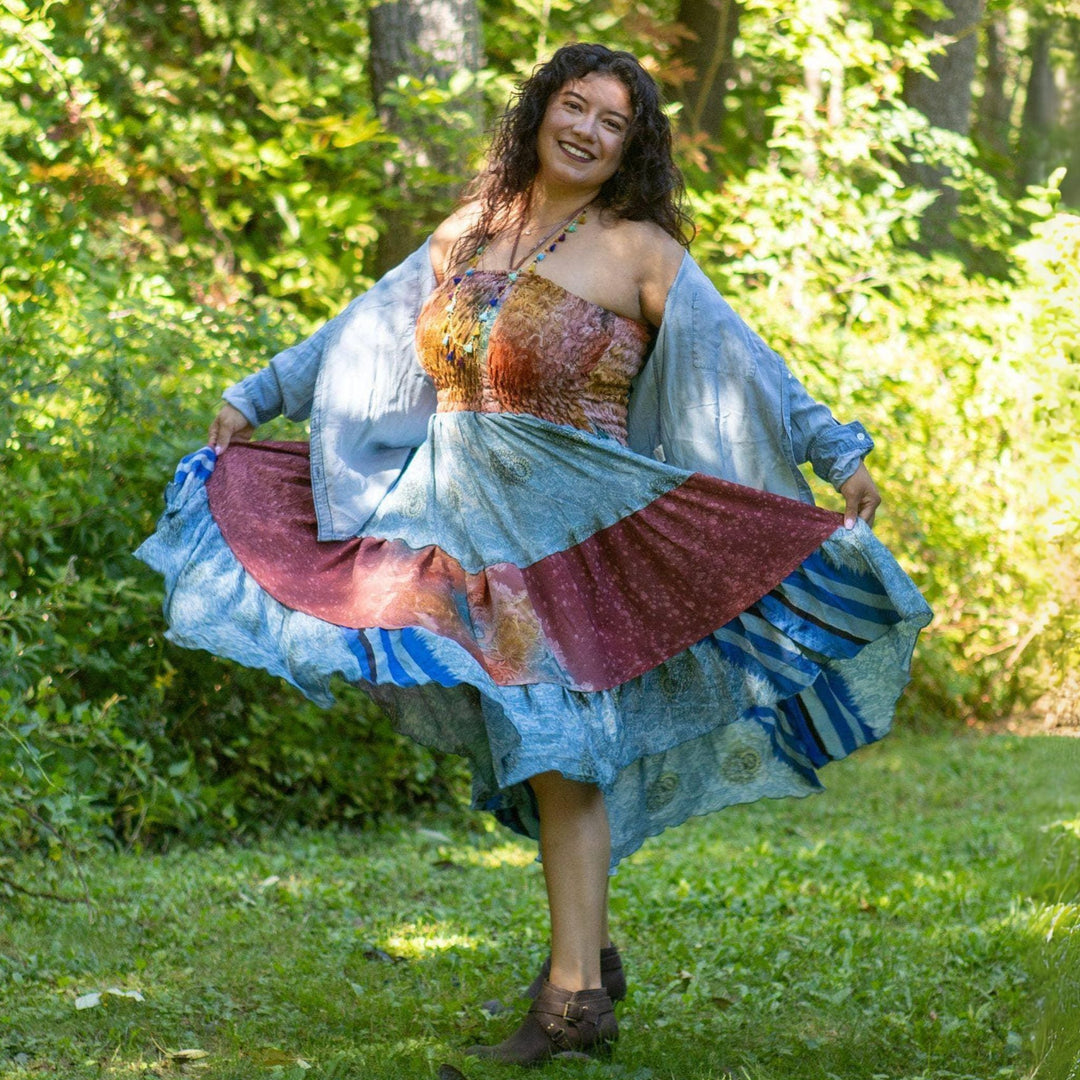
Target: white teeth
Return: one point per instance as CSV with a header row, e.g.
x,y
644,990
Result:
x,y
574,152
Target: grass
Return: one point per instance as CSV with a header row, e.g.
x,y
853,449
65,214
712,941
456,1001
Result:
x,y
917,922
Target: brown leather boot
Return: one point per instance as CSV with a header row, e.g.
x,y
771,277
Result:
x,y
611,975
559,1024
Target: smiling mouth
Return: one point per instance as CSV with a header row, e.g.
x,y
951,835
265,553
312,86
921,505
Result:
x,y
576,152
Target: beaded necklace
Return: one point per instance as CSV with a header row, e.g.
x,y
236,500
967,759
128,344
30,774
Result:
x,y
461,331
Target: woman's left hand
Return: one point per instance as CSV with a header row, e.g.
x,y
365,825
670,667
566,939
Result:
x,y
861,497
229,426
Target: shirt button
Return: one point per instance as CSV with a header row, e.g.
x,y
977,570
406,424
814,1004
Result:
x,y
861,437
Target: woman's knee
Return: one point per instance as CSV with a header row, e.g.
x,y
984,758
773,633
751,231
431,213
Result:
x,y
557,791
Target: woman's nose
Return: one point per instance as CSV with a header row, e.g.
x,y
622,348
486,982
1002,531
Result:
x,y
585,125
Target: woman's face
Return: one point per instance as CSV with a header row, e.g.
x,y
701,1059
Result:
x,y
581,138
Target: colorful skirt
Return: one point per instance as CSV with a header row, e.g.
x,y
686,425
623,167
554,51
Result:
x,y
536,597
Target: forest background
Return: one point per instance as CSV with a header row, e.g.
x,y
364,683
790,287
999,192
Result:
x,y
882,190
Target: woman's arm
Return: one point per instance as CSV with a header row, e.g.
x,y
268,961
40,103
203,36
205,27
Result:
x,y
660,267
286,386
718,400
657,258
447,235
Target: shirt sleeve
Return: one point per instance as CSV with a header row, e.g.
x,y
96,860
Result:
x,y
286,386
834,450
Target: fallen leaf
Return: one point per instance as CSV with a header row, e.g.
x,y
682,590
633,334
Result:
x,y
93,999
187,1055
271,1056
722,1002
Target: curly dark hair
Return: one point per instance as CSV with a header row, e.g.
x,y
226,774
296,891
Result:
x,y
647,185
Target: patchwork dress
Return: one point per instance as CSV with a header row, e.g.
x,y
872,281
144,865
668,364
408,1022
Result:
x,y
536,596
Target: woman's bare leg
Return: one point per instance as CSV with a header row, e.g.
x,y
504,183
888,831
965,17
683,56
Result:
x,y
575,842
575,845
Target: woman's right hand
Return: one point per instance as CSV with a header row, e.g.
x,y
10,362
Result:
x,y
230,425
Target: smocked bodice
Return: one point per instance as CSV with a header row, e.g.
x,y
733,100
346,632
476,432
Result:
x,y
540,350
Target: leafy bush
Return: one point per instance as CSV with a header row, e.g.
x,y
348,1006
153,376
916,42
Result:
x,y
968,383
111,373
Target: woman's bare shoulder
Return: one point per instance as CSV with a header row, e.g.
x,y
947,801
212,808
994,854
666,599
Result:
x,y
655,257
447,234
645,237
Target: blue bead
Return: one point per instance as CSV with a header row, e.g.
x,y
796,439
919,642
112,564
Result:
x,y
540,257
457,281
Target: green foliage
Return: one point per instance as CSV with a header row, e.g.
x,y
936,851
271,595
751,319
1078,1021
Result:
x,y
116,353
212,136
519,34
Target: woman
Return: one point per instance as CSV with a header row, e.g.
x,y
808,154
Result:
x,y
618,602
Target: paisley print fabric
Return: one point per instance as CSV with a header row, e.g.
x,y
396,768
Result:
x,y
535,596
548,353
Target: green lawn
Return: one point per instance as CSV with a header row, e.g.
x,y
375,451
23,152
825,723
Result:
x,y
919,920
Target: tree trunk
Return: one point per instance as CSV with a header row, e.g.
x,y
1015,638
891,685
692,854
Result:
x,y
1040,111
993,120
1070,186
419,38
714,25
946,103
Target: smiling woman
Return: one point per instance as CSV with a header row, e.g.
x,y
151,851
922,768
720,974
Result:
x,y
580,142
587,129
552,518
